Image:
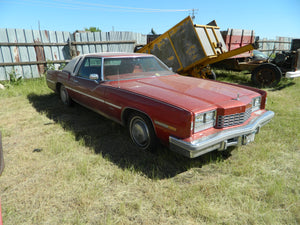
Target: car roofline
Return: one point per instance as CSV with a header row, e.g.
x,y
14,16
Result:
x,y
114,54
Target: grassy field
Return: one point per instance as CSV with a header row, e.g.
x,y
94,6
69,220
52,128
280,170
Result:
x,y
72,166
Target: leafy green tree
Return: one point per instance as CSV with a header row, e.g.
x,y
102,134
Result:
x,y
92,29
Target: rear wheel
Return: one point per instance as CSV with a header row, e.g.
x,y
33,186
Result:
x,y
64,96
142,132
266,75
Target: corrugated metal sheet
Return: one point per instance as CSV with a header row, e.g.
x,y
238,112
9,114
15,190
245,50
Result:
x,y
122,41
34,52
273,46
25,51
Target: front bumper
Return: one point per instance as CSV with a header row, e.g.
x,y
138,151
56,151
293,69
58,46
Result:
x,y
220,141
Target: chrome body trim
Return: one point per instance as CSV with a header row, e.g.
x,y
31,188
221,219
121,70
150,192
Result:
x,y
95,98
221,140
50,81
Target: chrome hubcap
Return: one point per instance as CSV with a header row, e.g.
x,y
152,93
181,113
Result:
x,y
140,133
63,94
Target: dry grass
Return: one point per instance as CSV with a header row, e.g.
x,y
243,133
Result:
x,y
72,166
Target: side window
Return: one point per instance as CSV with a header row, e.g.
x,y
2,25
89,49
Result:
x,y
90,66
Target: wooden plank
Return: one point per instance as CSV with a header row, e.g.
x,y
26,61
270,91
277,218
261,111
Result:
x,y
2,43
32,63
32,44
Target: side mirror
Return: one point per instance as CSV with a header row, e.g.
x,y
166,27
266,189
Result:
x,y
94,77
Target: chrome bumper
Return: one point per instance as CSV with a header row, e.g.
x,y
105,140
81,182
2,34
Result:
x,y
220,141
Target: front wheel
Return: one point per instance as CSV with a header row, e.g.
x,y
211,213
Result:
x,y
266,75
142,132
64,96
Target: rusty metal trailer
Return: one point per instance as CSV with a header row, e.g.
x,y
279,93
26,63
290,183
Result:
x,y
190,49
265,72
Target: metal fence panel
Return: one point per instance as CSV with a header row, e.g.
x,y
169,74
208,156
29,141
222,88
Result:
x,y
274,46
31,54
5,55
114,41
26,52
12,38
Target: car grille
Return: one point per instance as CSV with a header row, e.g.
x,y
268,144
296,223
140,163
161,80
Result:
x,y
233,119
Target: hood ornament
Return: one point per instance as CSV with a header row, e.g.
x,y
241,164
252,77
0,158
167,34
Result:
x,y
237,97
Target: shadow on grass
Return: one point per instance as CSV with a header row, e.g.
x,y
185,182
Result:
x,y
284,83
112,140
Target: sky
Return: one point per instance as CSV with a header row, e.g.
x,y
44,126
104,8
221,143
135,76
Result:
x,y
268,18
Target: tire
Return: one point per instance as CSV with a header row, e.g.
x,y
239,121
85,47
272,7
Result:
x,y
212,76
142,132
64,96
266,75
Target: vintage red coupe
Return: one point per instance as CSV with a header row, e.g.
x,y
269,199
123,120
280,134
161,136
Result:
x,y
191,116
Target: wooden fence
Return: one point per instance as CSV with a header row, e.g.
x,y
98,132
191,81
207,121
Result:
x,y
26,53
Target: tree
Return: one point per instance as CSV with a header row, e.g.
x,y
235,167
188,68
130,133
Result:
x,y
92,29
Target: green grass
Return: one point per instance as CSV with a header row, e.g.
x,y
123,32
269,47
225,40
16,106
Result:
x,y
72,166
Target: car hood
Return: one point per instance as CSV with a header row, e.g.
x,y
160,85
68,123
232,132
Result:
x,y
190,93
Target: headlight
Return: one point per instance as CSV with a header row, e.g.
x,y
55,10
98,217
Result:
x,y
204,120
256,103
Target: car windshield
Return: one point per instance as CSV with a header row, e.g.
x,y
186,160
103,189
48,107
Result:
x,y
133,67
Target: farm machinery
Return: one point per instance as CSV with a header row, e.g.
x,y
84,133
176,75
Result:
x,y
191,49
265,71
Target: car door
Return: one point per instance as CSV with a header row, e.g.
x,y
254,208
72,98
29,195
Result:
x,y
89,92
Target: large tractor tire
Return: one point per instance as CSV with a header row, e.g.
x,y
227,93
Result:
x,y
266,75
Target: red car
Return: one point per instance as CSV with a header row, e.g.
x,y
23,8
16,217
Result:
x,y
190,115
